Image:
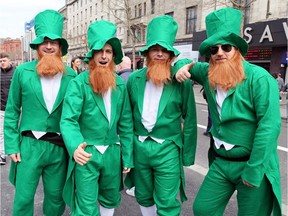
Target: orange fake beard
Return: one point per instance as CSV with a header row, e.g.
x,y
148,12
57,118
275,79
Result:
x,y
101,78
49,65
159,72
228,74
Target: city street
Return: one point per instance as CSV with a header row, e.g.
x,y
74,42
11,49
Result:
x,y
194,175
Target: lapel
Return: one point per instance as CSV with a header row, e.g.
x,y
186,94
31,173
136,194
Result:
x,y
115,94
140,85
37,87
166,94
99,102
62,90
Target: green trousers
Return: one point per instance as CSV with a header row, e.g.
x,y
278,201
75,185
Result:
x,y
157,176
40,158
98,180
222,179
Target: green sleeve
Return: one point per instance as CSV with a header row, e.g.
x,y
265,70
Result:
x,y
198,71
125,131
268,117
72,108
189,125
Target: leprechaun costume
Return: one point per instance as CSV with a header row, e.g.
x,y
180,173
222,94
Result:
x,y
32,126
106,127
245,130
162,148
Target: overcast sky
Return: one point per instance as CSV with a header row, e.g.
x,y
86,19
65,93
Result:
x,y
14,14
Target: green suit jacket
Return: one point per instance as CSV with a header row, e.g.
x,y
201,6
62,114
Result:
x,y
250,117
84,119
177,103
26,108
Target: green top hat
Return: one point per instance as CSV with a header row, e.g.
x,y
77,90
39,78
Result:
x,y
49,23
161,30
223,26
100,33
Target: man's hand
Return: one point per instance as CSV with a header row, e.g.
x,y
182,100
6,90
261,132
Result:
x,y
126,170
183,73
15,157
80,156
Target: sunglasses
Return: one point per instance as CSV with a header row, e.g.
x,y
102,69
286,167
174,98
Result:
x,y
224,47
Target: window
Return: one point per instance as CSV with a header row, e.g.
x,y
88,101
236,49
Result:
x,y
140,10
135,8
152,6
170,14
144,8
138,35
144,34
191,18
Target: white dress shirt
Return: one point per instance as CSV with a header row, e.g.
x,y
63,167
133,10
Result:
x,y
50,89
152,96
107,103
220,97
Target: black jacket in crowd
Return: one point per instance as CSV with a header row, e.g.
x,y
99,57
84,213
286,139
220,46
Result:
x,y
6,77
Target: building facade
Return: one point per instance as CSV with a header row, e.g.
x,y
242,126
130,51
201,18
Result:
x,y
264,27
13,48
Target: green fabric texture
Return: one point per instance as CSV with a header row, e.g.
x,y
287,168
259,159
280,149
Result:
x,y
250,122
102,32
223,26
49,23
27,105
161,30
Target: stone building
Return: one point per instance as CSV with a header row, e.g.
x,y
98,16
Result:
x,y
264,27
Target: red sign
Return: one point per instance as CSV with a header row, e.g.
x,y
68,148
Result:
x,y
258,54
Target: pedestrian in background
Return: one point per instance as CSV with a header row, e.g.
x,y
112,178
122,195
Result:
x,y
159,103
124,68
280,83
97,127
7,71
246,122
31,127
75,64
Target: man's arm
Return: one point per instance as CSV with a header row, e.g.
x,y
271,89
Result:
x,y
12,117
70,129
190,124
125,130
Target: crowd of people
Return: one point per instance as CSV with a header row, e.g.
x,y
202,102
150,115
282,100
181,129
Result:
x,y
88,133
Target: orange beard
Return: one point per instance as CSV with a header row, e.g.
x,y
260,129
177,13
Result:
x,y
159,72
50,65
226,75
101,78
